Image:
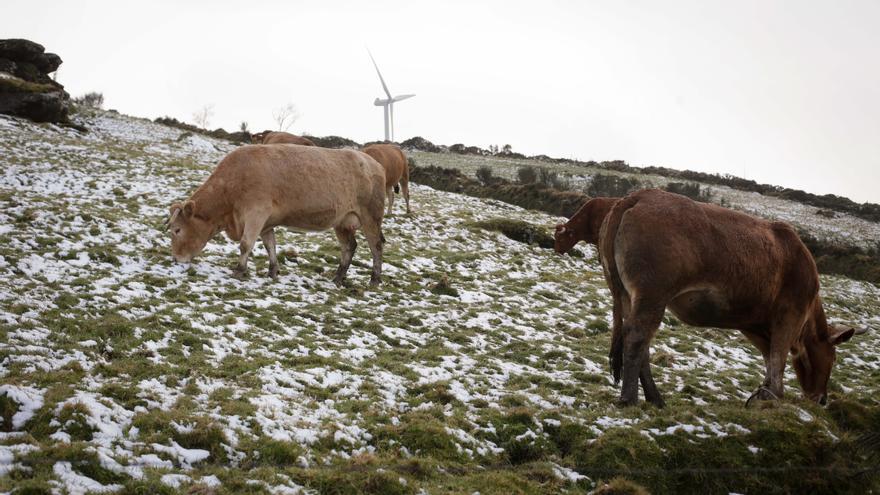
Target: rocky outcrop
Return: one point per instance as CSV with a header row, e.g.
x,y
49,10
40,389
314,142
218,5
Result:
x,y
26,90
419,143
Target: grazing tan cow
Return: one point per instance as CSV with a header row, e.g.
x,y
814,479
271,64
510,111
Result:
x,y
713,267
278,137
256,188
396,170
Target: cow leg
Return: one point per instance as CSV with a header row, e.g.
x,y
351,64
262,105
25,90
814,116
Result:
x,y
268,238
652,395
763,345
248,238
780,345
373,233
638,330
347,245
404,187
390,193
615,355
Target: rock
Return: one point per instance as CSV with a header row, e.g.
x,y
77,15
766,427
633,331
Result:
x,y
26,90
35,101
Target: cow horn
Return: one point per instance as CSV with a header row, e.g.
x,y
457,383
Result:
x,y
560,228
174,213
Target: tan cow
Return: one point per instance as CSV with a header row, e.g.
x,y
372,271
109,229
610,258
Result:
x,y
396,170
713,267
256,188
278,137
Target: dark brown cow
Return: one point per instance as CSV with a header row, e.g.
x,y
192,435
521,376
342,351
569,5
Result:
x,y
713,267
278,137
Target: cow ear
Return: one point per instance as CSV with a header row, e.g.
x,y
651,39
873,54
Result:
x,y
175,207
838,334
188,208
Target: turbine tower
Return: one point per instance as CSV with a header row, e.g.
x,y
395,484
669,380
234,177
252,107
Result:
x,y
387,103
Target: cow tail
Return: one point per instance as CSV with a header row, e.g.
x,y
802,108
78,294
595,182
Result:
x,y
607,236
404,178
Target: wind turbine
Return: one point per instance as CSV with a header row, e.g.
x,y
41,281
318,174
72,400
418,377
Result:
x,y
388,103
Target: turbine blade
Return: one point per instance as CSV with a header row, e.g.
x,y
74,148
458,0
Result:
x,y
384,86
401,97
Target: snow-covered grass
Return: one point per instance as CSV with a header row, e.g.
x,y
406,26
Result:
x,y
479,365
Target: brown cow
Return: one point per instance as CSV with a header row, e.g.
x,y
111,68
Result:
x,y
584,225
256,188
278,137
396,170
713,267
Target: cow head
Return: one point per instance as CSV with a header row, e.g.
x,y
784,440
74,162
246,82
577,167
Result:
x,y
564,238
584,225
814,360
259,137
189,232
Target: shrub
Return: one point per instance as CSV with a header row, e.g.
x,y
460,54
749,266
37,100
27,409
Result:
x,y
691,190
527,174
457,148
334,142
484,175
611,186
90,100
419,143
519,230
552,179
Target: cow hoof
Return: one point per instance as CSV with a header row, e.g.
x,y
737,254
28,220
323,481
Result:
x,y
763,394
340,282
658,403
626,403
375,281
240,274
273,272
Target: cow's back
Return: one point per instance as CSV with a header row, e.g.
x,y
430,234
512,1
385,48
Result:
x,y
304,187
392,159
286,138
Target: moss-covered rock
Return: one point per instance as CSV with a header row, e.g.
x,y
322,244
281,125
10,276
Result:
x,y
26,90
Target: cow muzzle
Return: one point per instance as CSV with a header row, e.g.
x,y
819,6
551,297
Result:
x,y
182,259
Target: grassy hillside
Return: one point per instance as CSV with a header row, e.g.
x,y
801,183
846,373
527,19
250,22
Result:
x,y
479,365
840,228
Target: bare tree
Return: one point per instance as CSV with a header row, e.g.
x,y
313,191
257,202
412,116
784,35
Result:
x,y
90,100
285,116
243,127
202,116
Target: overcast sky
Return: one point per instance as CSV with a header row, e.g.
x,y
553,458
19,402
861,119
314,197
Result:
x,y
786,93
